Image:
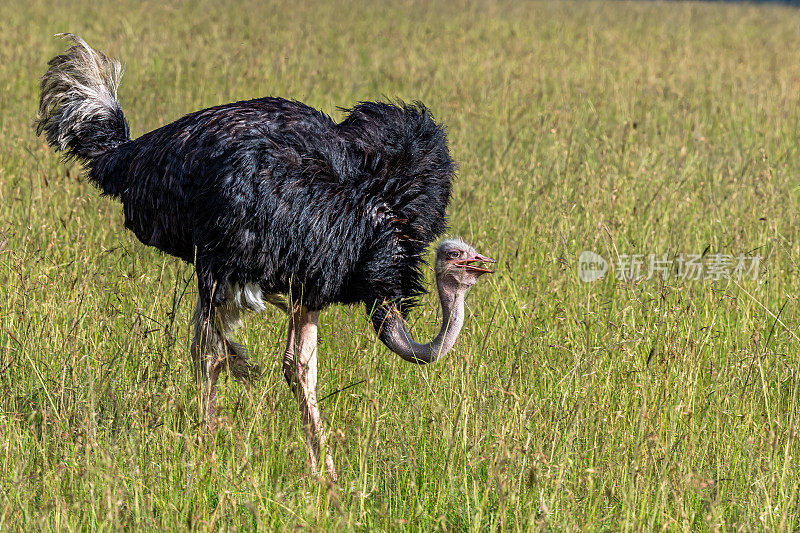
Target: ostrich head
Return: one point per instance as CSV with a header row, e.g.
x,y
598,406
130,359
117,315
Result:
x,y
458,264
458,267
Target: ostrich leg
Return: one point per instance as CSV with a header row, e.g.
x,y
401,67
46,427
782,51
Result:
x,y
304,383
289,373
211,352
206,367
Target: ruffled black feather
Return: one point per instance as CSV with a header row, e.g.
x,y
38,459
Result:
x,y
273,192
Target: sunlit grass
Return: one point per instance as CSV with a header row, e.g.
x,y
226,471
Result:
x,y
619,128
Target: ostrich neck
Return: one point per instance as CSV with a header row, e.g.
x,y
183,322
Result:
x,y
397,338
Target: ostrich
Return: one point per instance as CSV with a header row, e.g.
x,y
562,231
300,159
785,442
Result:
x,y
274,202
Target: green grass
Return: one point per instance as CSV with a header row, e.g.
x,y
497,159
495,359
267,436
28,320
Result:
x,y
620,128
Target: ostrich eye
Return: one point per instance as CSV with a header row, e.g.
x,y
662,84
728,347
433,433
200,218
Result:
x,y
454,254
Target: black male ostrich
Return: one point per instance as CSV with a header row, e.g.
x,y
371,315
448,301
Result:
x,y
274,202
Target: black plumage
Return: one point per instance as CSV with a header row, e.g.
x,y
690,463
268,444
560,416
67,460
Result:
x,y
273,192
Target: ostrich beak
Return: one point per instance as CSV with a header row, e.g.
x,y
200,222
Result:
x,y
467,264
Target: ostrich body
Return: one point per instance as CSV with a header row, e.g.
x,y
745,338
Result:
x,y
274,202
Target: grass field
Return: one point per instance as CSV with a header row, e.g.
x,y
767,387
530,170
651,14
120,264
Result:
x,y
629,128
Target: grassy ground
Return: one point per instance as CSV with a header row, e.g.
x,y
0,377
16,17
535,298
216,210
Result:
x,y
634,405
